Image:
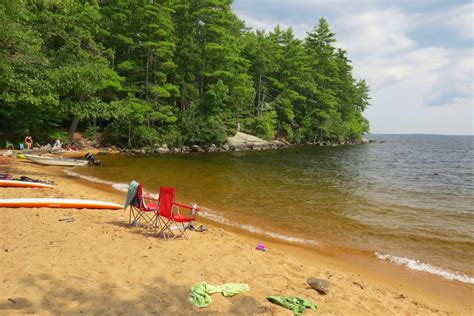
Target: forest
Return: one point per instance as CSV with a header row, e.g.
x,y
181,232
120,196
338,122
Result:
x,y
149,72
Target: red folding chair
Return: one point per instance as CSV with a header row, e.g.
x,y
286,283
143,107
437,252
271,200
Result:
x,y
141,210
170,216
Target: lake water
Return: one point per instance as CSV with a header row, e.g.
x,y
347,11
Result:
x,y
408,200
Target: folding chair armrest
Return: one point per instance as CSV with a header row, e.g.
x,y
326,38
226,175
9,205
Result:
x,y
149,196
190,208
182,205
187,206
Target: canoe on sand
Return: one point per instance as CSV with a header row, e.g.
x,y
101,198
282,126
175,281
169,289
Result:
x,y
58,203
65,162
23,184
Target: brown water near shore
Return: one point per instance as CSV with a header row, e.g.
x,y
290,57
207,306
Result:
x,y
358,198
362,263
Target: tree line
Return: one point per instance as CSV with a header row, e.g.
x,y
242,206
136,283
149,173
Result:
x,y
148,72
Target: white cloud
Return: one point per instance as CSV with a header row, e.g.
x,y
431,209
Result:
x,y
378,33
412,54
457,18
434,97
400,109
299,29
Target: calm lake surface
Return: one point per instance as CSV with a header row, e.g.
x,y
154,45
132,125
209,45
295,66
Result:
x,y
408,200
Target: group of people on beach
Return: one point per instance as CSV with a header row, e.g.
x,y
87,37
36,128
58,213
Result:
x,y
28,144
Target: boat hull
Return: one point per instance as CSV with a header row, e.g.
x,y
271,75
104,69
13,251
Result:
x,y
23,184
50,161
58,203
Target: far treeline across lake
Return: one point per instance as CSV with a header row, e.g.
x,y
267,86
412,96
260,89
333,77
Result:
x,y
144,73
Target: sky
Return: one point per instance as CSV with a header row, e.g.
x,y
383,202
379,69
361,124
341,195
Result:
x,y
416,55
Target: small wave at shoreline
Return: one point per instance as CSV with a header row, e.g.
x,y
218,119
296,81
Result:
x,y
257,230
425,267
92,179
123,187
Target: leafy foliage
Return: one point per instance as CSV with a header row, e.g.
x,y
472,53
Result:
x,y
176,72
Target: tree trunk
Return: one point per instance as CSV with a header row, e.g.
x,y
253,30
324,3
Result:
x,y
72,128
258,93
75,121
129,134
147,73
182,99
113,58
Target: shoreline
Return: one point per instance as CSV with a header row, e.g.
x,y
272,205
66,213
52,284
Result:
x,y
248,225
370,285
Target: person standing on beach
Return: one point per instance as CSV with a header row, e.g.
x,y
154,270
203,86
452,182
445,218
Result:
x,y
28,142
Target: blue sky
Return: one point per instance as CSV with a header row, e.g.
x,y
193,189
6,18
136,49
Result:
x,y
416,55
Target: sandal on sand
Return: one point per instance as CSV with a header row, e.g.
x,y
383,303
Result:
x,y
200,229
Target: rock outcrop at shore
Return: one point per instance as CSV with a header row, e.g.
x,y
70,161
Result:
x,y
242,141
239,142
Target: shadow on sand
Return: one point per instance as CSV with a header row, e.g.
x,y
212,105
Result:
x,y
59,297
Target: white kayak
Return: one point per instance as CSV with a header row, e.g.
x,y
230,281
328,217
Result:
x,y
23,184
53,161
58,203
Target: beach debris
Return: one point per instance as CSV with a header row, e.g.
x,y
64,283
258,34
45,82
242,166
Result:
x,y
320,285
296,304
28,179
8,153
12,300
261,247
67,219
358,284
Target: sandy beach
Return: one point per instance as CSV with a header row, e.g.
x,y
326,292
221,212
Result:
x,y
96,264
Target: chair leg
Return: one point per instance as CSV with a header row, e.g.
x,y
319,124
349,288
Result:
x,y
167,230
163,226
183,230
138,215
132,217
159,220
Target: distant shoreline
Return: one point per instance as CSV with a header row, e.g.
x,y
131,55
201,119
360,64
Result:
x,y
415,134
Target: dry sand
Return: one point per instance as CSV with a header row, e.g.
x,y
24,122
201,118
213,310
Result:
x,y
99,265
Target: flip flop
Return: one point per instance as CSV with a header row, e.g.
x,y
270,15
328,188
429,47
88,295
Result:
x,y
200,229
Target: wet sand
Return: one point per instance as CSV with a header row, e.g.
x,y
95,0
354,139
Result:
x,y
97,264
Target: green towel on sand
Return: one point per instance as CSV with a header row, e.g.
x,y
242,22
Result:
x,y
199,294
296,304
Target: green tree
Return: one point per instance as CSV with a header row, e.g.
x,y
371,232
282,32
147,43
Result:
x,y
174,71
27,101
69,29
